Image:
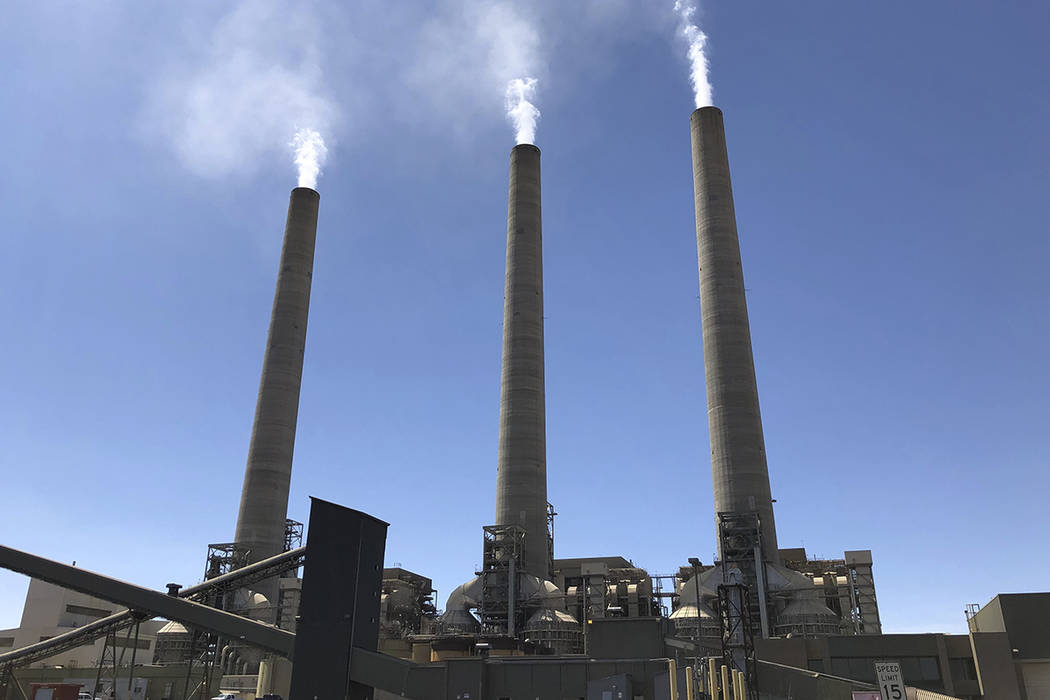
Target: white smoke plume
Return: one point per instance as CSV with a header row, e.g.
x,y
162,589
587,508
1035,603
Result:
x,y
310,154
230,105
471,52
698,66
520,110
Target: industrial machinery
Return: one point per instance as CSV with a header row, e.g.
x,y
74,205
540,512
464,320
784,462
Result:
x,y
253,611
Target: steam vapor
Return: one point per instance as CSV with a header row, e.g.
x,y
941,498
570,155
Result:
x,y
233,102
698,67
310,154
520,111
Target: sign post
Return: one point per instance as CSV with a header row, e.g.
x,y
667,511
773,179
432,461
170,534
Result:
x,y
890,679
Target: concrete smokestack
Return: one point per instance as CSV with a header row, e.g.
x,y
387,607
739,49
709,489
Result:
x,y
738,451
264,498
521,482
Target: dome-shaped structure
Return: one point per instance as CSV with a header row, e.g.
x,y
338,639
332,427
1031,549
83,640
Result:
x,y
174,644
689,611
807,617
804,613
795,604
540,592
689,608
556,630
457,617
172,628
548,617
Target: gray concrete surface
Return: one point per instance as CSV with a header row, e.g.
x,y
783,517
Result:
x,y
264,497
521,482
738,453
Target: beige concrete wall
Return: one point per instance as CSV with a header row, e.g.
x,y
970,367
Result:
x,y
995,669
47,614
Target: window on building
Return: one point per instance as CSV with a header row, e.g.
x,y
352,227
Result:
x,y
90,612
963,669
7,641
920,669
816,665
862,669
929,669
840,667
910,669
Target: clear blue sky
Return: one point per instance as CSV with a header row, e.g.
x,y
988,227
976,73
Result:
x,y
890,166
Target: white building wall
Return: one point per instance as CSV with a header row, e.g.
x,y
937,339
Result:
x,y
51,610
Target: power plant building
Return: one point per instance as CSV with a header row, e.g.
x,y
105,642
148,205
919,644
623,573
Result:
x,y
809,622
51,610
521,585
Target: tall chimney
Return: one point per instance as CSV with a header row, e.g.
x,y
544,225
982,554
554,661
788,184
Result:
x,y
521,481
264,497
738,452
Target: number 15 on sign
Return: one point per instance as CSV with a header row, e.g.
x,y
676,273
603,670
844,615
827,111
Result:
x,y
890,679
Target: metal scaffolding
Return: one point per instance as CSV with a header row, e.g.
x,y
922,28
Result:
x,y
550,535
126,619
503,551
293,534
740,537
738,641
862,588
660,594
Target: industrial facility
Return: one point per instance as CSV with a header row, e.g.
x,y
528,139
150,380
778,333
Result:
x,y
275,616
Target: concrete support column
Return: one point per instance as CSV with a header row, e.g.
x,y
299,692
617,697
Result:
x,y
264,497
521,481
738,453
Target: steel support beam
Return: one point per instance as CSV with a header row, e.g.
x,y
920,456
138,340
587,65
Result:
x,y
148,601
118,621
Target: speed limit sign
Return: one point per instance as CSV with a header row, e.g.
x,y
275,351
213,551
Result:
x,y
890,679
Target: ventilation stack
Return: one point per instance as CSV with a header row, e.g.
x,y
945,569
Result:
x,y
738,453
512,596
264,497
521,481
783,601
